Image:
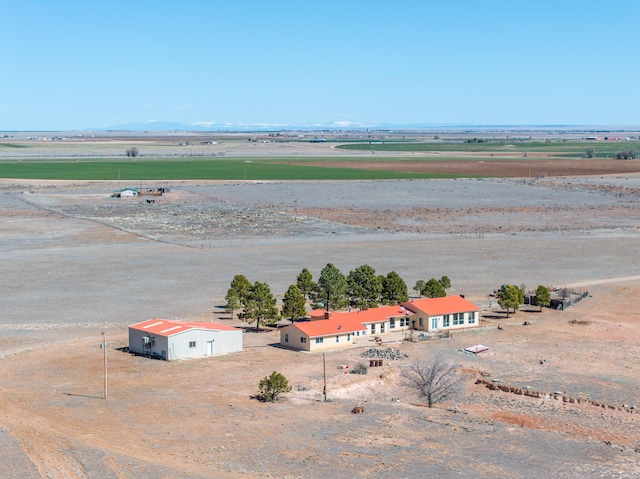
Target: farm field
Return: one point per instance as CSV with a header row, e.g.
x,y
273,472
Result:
x,y
77,262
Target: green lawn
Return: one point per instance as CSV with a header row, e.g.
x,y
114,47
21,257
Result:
x,y
195,169
559,149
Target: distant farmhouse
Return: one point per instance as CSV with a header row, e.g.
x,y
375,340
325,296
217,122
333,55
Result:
x,y
125,193
341,329
130,192
164,339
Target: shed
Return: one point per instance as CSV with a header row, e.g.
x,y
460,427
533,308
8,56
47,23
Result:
x,y
128,192
170,340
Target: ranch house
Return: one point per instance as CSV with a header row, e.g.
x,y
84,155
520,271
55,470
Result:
x,y
322,335
339,329
171,340
442,314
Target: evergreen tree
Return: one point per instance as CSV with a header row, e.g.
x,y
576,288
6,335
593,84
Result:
x,y
433,289
364,287
543,297
419,286
233,301
273,386
305,282
331,289
241,285
394,289
510,296
293,303
259,305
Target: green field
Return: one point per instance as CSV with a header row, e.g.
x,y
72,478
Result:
x,y
559,149
196,169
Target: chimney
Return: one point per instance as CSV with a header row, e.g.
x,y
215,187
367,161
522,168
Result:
x,y
327,315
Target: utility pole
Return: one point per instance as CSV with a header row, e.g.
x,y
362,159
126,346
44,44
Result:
x,y
324,389
104,350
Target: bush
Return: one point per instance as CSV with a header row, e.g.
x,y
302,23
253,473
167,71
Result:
x,y
359,368
627,154
272,387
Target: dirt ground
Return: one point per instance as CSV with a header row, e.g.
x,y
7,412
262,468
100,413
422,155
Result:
x,y
77,262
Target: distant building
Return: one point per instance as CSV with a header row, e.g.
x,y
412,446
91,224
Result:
x,y
125,193
171,340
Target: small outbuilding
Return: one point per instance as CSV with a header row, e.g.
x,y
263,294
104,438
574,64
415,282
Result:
x,y
171,340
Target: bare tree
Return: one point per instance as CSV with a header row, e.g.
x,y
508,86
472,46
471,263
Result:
x,y
433,380
132,152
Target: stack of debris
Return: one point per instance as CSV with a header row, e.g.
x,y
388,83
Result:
x,y
388,353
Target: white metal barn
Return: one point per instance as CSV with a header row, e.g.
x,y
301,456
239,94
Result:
x,y
183,340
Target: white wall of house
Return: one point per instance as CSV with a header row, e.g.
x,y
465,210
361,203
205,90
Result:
x,y
292,337
446,322
336,341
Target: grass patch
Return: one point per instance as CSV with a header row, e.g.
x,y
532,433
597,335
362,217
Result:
x,y
556,148
196,169
12,145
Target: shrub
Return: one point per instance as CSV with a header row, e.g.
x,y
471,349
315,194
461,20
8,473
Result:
x,y
359,368
272,387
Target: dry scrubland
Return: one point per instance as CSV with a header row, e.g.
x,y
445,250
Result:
x,y
76,262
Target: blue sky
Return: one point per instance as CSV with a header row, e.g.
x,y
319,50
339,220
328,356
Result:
x,y
79,65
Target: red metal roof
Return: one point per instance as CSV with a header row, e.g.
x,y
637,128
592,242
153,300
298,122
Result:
x,y
440,306
165,327
329,327
371,315
343,321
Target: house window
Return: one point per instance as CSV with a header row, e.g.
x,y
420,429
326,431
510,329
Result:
x,y
373,329
303,340
286,337
458,318
192,344
357,333
348,337
434,323
392,323
337,339
319,340
382,327
153,342
421,322
446,321
472,318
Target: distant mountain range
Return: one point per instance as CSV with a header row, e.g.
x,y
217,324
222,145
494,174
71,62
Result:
x,y
160,125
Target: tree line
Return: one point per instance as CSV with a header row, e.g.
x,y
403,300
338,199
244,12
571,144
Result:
x,y
362,288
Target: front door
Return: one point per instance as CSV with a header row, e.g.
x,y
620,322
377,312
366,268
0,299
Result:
x,y
209,348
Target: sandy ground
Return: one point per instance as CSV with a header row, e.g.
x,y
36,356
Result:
x,y
76,262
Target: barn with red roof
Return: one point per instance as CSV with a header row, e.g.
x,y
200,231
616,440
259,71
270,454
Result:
x,y
170,340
